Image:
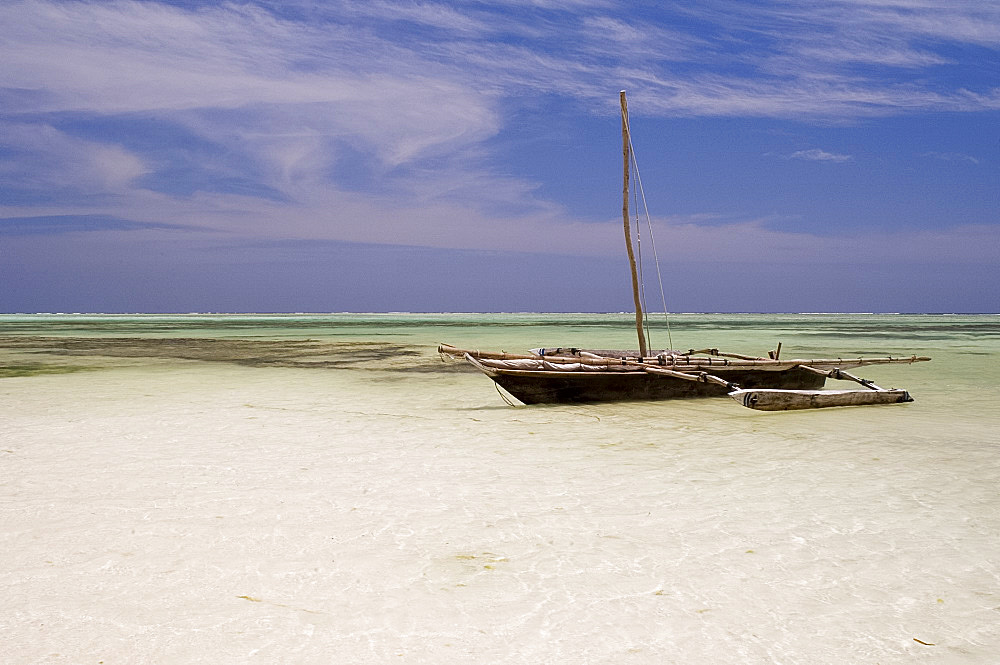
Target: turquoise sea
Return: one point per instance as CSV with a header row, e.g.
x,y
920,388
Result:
x,y
324,488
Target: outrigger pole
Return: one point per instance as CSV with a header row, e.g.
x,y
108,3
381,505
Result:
x,y
626,157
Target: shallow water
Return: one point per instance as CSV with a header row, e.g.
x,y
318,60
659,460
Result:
x,y
322,488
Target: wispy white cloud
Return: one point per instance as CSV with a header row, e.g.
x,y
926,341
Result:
x,y
952,157
874,52
128,57
678,240
751,241
898,32
817,155
56,161
965,21
855,58
427,14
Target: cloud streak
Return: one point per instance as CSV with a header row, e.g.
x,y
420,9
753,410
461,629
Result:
x,y
952,157
817,155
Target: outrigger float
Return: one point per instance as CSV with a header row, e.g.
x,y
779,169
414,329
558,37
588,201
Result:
x,y
572,375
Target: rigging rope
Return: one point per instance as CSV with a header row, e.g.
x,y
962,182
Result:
x,y
638,247
500,392
649,224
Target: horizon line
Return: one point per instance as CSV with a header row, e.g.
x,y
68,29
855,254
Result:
x,y
395,312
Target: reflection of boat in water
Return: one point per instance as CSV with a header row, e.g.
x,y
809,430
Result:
x,y
568,375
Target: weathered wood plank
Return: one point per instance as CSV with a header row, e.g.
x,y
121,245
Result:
x,y
789,400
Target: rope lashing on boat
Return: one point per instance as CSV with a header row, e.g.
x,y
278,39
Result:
x,y
502,396
558,351
838,373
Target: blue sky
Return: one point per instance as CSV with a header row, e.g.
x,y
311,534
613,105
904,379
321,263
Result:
x,y
837,155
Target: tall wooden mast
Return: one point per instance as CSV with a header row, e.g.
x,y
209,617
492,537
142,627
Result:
x,y
626,158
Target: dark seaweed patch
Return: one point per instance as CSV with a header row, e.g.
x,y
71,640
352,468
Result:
x,y
305,353
38,369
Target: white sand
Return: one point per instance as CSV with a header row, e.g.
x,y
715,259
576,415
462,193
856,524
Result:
x,y
187,512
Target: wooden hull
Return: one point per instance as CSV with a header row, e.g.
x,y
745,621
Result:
x,y
546,387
